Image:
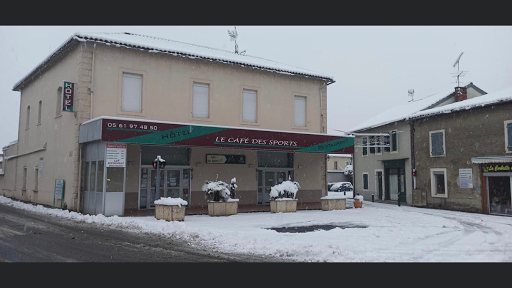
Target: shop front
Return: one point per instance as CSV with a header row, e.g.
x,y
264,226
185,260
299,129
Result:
x,y
498,182
118,153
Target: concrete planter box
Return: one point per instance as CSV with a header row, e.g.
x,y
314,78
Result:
x,y
333,204
222,208
284,206
170,212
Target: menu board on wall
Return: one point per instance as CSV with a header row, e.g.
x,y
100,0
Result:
x,y
465,178
116,155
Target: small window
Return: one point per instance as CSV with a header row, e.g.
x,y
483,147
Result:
x,y
36,181
365,181
300,111
335,165
28,118
201,99
39,112
387,144
394,141
132,93
24,187
439,187
372,144
365,148
250,104
59,102
437,143
508,136
378,143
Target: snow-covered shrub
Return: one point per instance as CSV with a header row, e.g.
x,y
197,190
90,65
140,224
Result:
x,y
219,190
348,170
287,189
359,197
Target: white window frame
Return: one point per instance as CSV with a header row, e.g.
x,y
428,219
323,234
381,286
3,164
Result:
x,y
36,179
391,142
295,96
39,112
246,88
367,177
137,76
141,73
377,183
432,183
58,111
364,146
210,101
380,141
430,143
506,136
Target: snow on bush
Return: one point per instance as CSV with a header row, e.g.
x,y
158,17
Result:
x,y
287,189
219,190
359,197
171,201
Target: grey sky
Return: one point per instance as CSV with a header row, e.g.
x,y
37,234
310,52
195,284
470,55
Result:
x,y
373,66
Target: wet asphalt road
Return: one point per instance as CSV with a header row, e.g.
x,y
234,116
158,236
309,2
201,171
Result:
x,y
29,237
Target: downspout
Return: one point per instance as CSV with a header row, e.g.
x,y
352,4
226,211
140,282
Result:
x,y
92,81
80,147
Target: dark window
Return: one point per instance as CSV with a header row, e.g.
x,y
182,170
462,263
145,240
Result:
x,y
437,144
365,181
378,143
372,144
171,155
394,146
275,159
439,188
335,165
509,132
386,142
365,148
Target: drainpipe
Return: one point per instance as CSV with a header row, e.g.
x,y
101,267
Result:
x,y
92,81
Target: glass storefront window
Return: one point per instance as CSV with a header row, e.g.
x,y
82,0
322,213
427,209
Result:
x,y
115,179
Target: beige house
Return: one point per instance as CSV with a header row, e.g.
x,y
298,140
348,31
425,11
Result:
x,y
97,112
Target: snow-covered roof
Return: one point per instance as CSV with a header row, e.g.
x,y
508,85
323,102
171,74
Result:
x,y
161,45
481,101
10,144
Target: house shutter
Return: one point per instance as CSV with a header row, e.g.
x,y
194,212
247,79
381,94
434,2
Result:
x,y
437,143
249,106
365,181
509,133
200,101
132,93
300,111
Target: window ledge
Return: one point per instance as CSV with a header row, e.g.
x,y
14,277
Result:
x,y
435,156
440,196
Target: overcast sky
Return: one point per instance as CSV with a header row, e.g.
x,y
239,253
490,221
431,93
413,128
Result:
x,y
373,66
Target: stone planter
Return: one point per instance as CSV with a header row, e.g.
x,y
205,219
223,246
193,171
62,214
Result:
x,y
358,203
333,204
170,212
222,208
289,205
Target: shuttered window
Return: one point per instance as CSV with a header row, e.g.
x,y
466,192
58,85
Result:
x,y
436,144
509,136
132,93
249,106
200,102
300,111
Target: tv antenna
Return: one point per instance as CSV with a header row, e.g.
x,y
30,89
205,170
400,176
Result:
x,y
459,73
411,94
234,35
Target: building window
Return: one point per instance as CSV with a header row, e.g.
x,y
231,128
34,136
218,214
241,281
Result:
x,y
394,141
131,93
365,181
250,104
372,144
438,182
24,187
28,118
39,112
300,111
365,148
59,102
437,143
335,165
36,181
508,136
387,144
378,143
201,100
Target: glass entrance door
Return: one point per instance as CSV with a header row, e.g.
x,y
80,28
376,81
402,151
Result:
x,y
174,182
268,178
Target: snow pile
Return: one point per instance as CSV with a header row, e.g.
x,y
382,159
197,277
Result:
x,y
287,189
171,201
359,197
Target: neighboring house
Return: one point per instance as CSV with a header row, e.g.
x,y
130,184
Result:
x,y
1,164
128,98
463,155
385,170
336,164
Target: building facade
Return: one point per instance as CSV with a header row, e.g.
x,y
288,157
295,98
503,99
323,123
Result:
x,y
97,112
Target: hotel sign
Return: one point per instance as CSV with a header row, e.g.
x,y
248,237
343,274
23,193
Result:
x,y
497,168
68,93
225,159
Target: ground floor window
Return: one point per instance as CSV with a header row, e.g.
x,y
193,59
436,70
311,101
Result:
x,y
438,184
365,181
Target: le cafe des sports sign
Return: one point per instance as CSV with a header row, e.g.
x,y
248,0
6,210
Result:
x,y
166,133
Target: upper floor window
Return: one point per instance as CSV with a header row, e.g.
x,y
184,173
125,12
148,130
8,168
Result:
x,y
39,112
365,148
378,143
250,104
28,118
437,143
335,165
300,111
387,143
132,93
394,141
58,111
201,100
372,144
508,136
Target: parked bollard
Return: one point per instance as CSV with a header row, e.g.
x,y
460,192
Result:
x,y
372,197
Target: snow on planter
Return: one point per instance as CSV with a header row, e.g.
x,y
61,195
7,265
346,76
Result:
x,y
171,201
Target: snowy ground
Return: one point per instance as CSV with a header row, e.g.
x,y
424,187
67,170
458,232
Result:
x,y
392,233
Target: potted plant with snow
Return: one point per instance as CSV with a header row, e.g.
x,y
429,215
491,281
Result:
x,y
358,201
282,197
170,209
220,197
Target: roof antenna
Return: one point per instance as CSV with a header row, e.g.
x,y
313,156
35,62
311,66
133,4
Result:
x,y
459,73
411,95
234,35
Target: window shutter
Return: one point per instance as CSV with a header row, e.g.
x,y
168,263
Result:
x,y
132,93
437,143
300,111
249,106
200,102
509,132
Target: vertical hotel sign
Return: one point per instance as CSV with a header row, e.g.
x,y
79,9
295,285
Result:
x,y
68,94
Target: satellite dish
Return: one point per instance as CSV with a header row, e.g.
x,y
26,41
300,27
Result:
x,y
457,61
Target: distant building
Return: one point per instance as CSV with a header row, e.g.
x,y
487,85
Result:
x,y
336,164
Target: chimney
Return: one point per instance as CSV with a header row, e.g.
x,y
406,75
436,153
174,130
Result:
x,y
461,94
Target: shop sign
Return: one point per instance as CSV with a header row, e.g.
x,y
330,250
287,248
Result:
x,y
225,159
497,168
68,93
